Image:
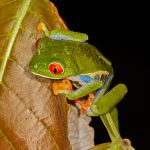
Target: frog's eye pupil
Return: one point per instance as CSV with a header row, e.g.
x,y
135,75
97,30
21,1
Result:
x,y
56,68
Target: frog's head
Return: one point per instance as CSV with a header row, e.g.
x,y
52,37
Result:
x,y
52,60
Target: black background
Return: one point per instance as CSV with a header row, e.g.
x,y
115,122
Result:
x,y
120,32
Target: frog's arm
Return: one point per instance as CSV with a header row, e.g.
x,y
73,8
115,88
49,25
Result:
x,y
103,106
61,34
82,91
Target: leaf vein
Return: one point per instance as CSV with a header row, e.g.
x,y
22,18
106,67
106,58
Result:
x,y
7,20
28,109
7,3
7,140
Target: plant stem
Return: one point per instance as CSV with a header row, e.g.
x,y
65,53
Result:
x,y
110,126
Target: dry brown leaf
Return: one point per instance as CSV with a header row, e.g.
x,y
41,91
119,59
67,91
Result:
x,y
31,117
81,135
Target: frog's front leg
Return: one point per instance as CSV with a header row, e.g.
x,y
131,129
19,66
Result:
x,y
89,87
86,86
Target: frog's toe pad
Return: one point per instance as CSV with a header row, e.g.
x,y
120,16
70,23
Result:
x,y
94,108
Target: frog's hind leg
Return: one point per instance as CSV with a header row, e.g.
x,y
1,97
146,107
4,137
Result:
x,y
85,105
105,102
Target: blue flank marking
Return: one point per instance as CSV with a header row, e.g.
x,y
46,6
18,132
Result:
x,y
59,37
86,79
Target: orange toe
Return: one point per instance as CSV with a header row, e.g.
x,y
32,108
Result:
x,y
40,26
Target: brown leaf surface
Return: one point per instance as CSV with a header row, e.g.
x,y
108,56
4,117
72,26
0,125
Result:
x,y
81,135
30,116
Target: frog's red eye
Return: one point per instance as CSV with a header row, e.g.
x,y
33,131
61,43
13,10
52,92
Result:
x,y
37,42
56,68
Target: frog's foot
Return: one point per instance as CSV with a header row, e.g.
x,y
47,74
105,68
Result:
x,y
40,26
64,84
85,105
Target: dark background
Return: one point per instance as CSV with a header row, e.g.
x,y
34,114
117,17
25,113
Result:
x,y
120,32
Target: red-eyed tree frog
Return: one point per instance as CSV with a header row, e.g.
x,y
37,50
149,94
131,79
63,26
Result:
x,y
64,54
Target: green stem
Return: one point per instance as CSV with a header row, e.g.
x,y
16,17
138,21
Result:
x,y
110,126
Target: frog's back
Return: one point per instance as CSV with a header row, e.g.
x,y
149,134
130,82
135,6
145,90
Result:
x,y
85,56
88,57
